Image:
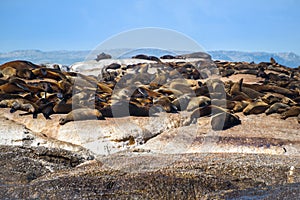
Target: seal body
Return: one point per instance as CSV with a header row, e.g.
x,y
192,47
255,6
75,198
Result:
x,y
81,114
224,120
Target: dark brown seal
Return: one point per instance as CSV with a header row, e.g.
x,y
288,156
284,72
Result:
x,y
81,114
224,120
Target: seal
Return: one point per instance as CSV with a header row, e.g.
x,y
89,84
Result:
x,y
63,107
236,89
276,89
273,61
12,88
277,108
81,114
49,73
123,108
19,65
9,71
23,85
196,102
203,111
159,80
165,103
256,107
292,112
271,98
240,106
239,89
224,120
19,104
182,102
167,57
141,56
181,86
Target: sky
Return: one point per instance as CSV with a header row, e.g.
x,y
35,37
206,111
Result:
x,y
243,25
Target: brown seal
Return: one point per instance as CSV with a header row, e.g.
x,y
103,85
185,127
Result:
x,y
18,68
19,64
123,108
256,107
49,73
204,111
239,106
9,71
239,89
277,108
13,88
236,89
224,120
292,112
63,107
19,104
182,102
166,104
196,102
273,61
81,114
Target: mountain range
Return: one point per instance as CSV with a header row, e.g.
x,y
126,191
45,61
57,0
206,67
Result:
x,y
288,59
69,57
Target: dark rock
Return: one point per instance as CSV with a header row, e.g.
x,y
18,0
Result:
x,y
167,57
141,56
189,176
202,55
20,165
103,56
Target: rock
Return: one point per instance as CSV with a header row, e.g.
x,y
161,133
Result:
x,y
103,56
21,165
201,55
161,176
162,156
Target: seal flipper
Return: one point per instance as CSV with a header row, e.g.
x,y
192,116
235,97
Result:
x,y
22,87
241,84
34,115
46,116
47,111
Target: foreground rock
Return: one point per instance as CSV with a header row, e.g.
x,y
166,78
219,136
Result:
x,y
150,176
21,165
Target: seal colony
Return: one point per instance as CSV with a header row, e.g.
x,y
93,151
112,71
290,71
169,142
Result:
x,y
201,88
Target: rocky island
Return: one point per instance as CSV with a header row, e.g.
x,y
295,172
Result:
x,y
174,127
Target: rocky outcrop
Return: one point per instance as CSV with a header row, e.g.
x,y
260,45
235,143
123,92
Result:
x,y
158,103
132,175
171,129
102,56
21,165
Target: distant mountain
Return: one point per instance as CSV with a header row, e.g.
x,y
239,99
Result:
x,y
287,59
70,57
37,56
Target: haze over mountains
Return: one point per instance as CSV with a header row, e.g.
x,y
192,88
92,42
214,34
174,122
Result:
x,y
68,57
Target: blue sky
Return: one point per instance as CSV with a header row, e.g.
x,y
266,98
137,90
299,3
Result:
x,y
246,25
